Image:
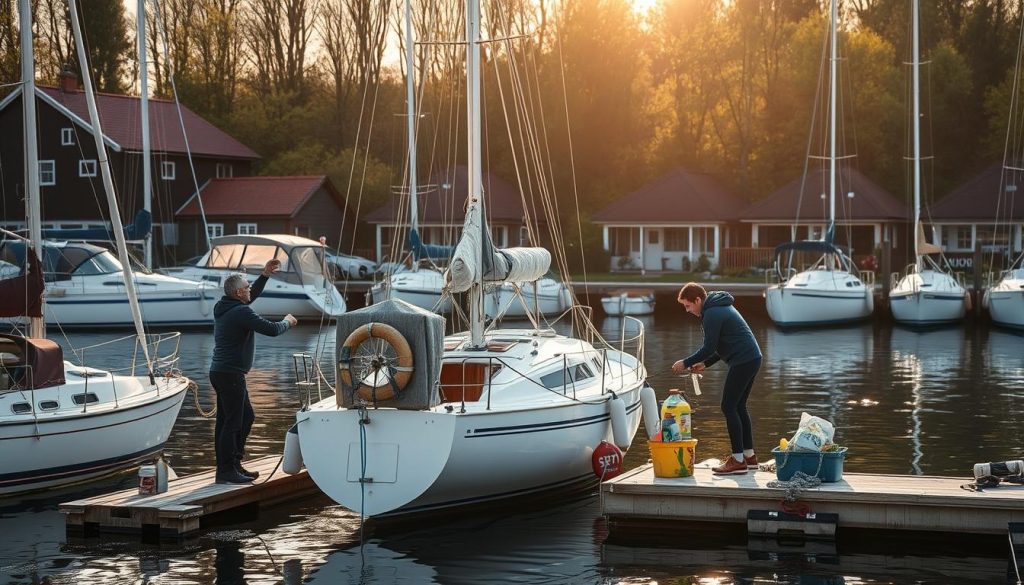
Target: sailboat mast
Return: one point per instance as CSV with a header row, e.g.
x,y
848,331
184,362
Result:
x,y
916,66
37,326
832,114
147,180
474,180
108,184
410,125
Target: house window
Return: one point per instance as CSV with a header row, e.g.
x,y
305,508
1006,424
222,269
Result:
x,y
47,173
624,240
167,170
653,236
67,136
957,237
498,235
703,240
247,229
215,230
677,240
225,171
87,168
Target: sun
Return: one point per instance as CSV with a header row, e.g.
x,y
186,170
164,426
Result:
x,y
642,7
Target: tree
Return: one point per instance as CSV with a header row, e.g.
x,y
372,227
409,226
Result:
x,y
10,44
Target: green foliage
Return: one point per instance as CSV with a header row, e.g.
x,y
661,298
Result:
x,y
110,49
703,264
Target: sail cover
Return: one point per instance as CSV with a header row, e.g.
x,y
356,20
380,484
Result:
x,y
431,251
23,295
138,230
923,247
507,265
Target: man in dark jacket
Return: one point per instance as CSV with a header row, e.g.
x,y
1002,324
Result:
x,y
727,337
234,344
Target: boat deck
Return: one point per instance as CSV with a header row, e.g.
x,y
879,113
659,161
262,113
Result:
x,y
861,500
188,501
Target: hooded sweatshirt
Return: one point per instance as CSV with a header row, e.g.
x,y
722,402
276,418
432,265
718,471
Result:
x,y
233,327
726,335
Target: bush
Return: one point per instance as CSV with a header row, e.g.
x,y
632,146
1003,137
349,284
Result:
x,y
687,266
703,264
625,263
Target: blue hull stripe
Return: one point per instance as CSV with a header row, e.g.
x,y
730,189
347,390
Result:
x,y
545,426
26,478
816,323
858,297
124,301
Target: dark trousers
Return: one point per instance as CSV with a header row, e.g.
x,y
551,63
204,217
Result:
x,y
738,383
234,418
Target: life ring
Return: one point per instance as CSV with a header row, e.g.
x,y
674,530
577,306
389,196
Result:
x,y
383,376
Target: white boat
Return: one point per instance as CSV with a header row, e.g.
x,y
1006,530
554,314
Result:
x,y
547,296
831,290
61,423
1005,299
302,287
84,289
628,302
421,287
423,422
926,294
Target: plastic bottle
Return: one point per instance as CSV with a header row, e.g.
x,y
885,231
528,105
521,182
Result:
x,y
670,429
679,408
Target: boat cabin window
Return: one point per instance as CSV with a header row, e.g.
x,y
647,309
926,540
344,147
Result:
x,y
572,373
48,405
225,256
102,263
21,407
257,255
87,398
465,381
307,261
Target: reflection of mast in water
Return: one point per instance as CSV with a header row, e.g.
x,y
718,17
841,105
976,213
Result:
x,y
922,358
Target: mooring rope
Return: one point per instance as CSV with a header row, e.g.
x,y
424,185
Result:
x,y
195,397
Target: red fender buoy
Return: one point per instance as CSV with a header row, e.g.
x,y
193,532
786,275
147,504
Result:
x,y
606,461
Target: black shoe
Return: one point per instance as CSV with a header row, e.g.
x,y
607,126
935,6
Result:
x,y
232,476
244,471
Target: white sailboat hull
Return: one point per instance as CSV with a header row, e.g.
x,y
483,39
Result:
x,y
427,460
819,297
111,310
422,288
279,297
1005,300
928,298
548,295
619,305
72,443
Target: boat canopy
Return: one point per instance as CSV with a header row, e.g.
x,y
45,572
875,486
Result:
x,y
302,259
32,363
137,230
62,260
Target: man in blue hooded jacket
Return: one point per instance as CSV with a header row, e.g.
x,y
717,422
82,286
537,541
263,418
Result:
x,y
727,337
235,325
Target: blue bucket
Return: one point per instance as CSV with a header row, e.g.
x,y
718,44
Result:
x,y
787,463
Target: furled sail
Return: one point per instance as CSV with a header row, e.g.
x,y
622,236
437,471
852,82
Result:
x,y
507,265
23,295
431,251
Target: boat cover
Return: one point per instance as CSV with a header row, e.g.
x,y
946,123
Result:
x,y
42,362
23,295
423,330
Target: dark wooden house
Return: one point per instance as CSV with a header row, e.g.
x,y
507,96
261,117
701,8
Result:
x,y
71,185
302,206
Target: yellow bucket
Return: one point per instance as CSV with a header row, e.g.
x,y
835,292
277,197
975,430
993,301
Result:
x,y
673,459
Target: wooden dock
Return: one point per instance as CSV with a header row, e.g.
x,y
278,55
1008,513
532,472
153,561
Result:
x,y
187,503
861,500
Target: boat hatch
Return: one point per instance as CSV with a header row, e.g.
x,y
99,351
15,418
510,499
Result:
x,y
87,398
48,405
500,345
464,381
21,407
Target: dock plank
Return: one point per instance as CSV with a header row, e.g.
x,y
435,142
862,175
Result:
x,y
895,502
188,499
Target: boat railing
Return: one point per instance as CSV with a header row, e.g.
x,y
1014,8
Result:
x,y
163,349
867,277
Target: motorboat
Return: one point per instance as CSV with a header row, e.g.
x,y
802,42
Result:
x,y
628,302
302,287
84,290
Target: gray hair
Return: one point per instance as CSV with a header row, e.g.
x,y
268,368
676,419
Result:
x,y
233,283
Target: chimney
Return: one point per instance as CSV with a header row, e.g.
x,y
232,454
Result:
x,y
68,81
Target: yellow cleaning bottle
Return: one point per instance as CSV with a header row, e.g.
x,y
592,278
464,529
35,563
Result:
x,y
680,409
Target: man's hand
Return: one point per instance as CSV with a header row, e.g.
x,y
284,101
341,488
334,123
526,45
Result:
x,y
271,267
678,367
292,321
697,368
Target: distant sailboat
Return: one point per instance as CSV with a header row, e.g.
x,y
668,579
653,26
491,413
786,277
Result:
x,y
926,294
831,291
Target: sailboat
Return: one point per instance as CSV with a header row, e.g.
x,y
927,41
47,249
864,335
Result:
x,y
1005,298
62,422
422,422
831,291
420,285
926,294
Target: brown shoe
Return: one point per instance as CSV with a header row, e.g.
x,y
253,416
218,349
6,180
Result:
x,y
751,461
730,467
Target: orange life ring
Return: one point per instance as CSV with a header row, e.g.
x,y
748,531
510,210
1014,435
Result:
x,y
383,376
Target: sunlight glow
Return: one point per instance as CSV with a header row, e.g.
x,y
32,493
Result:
x,y
642,7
